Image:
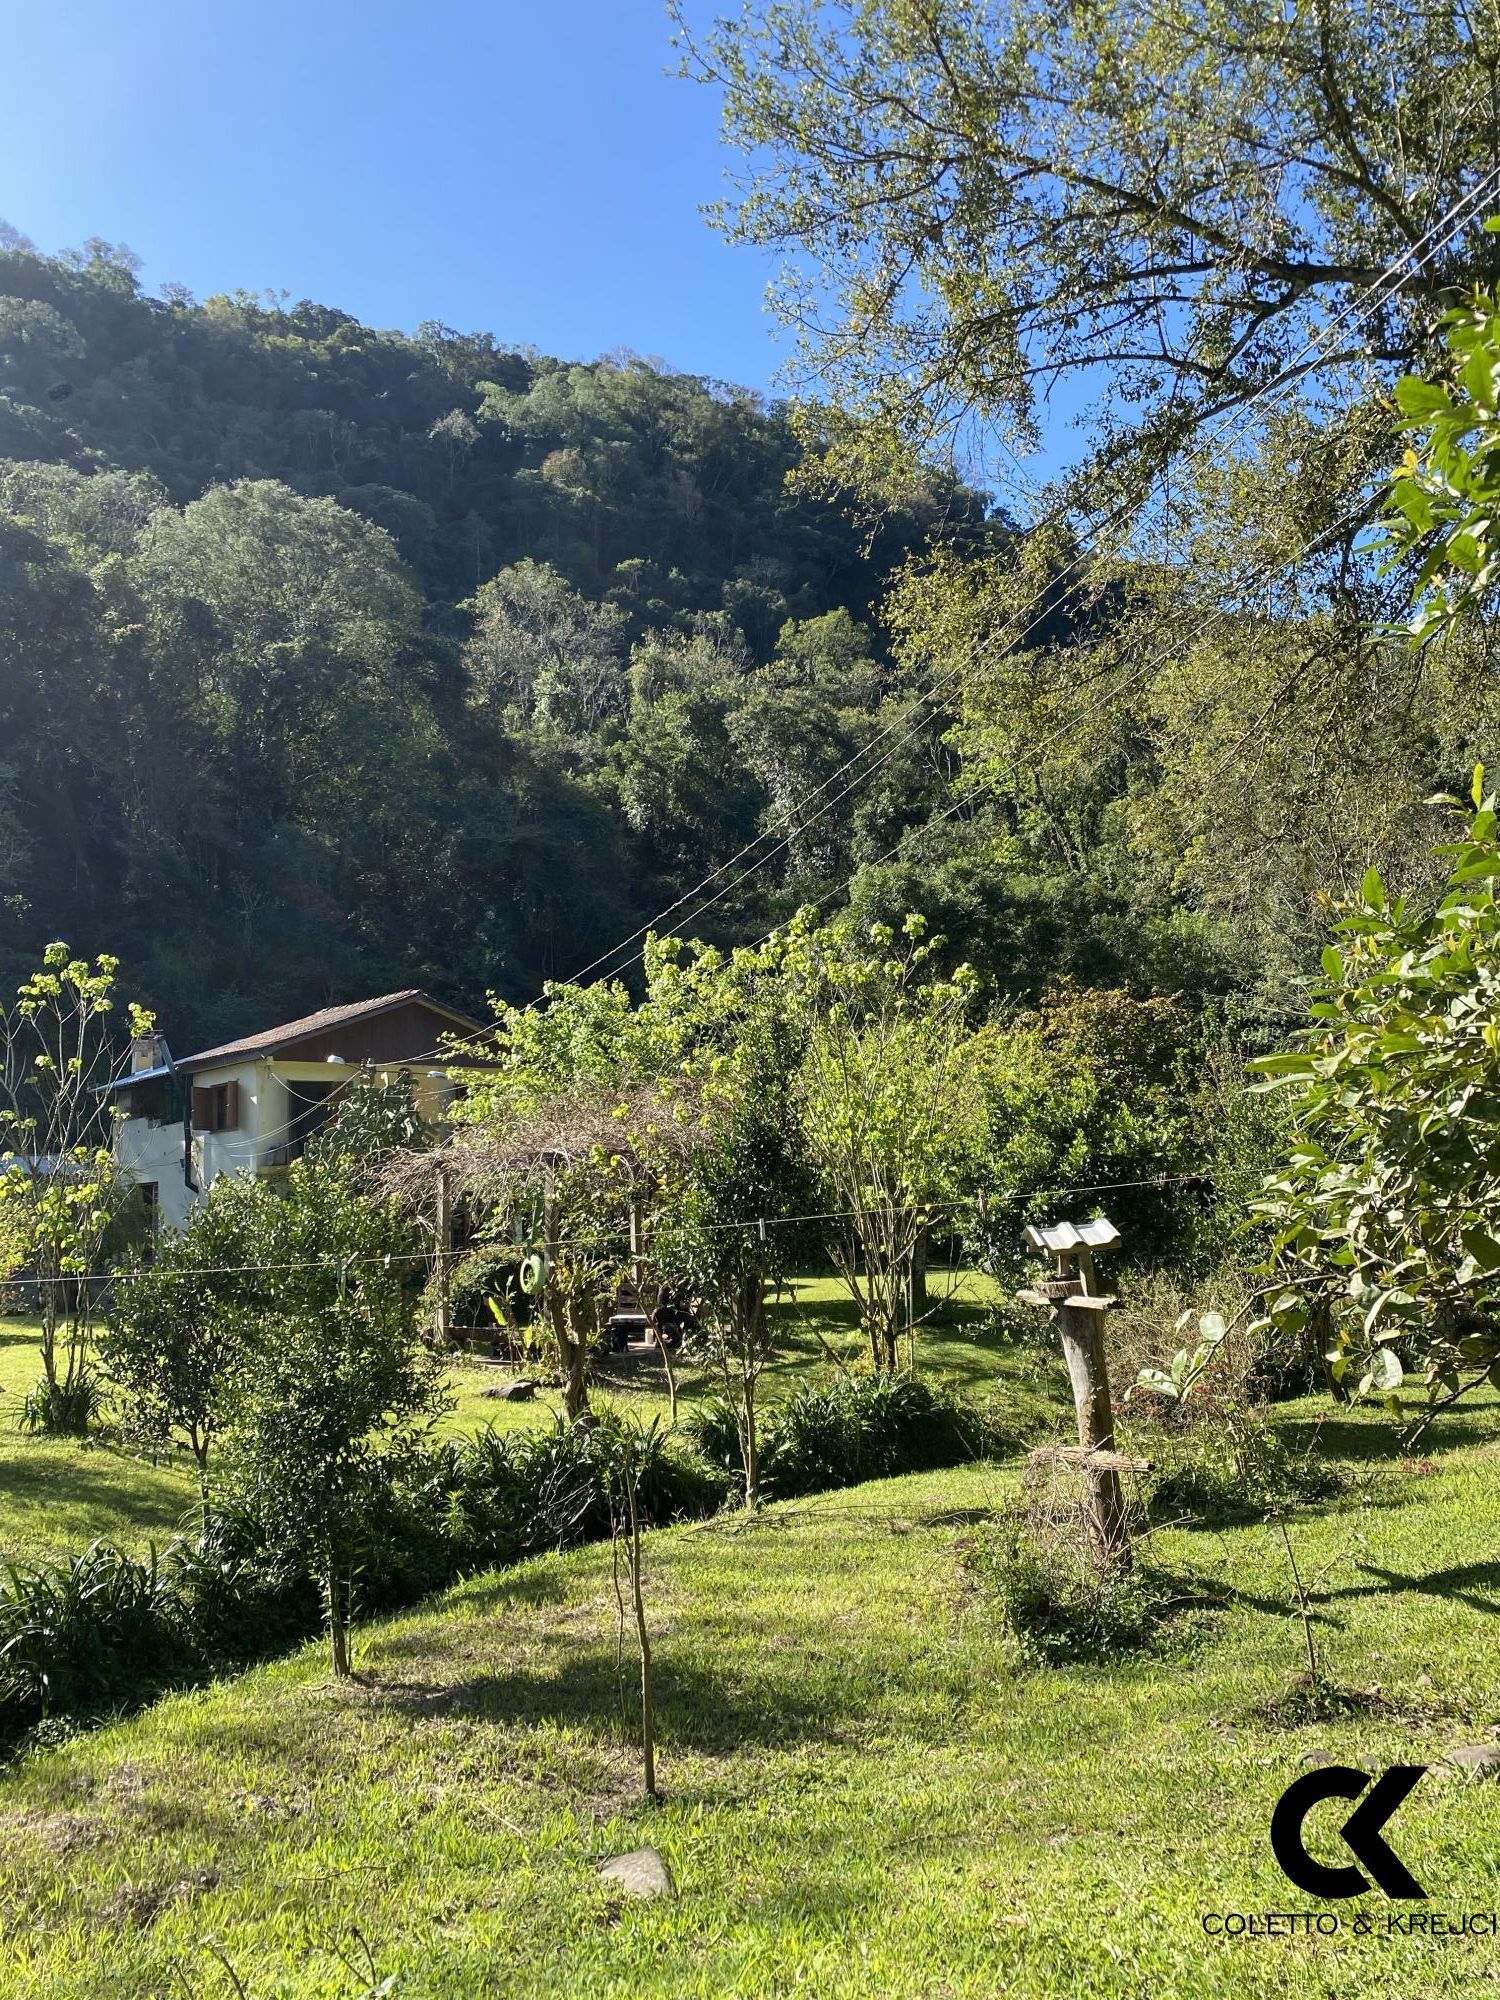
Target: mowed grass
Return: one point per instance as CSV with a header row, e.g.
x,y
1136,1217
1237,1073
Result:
x,y
864,1794
56,1495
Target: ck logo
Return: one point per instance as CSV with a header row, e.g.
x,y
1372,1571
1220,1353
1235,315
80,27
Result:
x,y
1361,1831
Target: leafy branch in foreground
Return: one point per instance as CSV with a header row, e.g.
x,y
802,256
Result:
x,y
1443,499
1387,1214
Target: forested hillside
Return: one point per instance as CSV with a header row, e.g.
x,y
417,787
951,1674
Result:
x,y
333,660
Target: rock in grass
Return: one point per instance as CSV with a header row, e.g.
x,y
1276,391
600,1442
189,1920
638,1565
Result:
x,y
641,1872
1474,1760
519,1391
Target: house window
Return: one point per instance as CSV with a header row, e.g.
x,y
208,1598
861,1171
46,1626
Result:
x,y
216,1107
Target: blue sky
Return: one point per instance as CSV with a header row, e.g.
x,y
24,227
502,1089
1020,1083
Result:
x,y
528,167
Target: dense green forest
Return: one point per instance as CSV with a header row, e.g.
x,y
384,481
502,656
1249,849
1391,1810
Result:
x,y
333,660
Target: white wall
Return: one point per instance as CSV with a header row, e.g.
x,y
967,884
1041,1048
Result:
x,y
148,1151
151,1152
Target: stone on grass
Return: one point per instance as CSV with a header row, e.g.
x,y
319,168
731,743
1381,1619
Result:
x,y
641,1872
1475,1760
520,1391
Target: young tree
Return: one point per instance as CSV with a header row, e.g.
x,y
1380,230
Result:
x,y
552,1118
59,1189
337,1374
180,1329
890,1104
724,1220
625,1450
1388,1209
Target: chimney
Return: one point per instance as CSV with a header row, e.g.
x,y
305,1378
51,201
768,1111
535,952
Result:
x,y
148,1052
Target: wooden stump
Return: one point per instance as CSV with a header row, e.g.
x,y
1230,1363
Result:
x,y
1080,1322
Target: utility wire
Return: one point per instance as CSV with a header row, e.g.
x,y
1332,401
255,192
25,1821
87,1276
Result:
x,y
1450,224
1045,599
1011,1199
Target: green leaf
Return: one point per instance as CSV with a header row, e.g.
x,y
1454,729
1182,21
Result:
x,y
1416,398
1482,1248
1386,1373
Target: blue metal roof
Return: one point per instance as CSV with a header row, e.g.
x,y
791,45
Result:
x,y
136,1076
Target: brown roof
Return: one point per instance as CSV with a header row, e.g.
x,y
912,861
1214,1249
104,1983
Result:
x,y
271,1040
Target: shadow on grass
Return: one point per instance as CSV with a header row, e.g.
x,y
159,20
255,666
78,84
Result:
x,y
581,1686
1376,1440
66,1479
1474,1585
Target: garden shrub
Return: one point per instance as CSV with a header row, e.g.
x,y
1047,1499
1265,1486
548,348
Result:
x,y
65,1409
1235,1469
859,1427
83,1636
1058,1605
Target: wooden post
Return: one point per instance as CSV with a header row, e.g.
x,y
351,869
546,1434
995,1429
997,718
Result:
x,y
442,1233
1080,1322
1078,1312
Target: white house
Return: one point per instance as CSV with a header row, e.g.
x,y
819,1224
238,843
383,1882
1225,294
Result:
x,y
252,1105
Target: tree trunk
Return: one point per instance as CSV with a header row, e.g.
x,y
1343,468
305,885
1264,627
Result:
x,y
664,1349
648,1707
919,1275
1082,1330
338,1627
575,1352
572,1351
442,1231
890,1340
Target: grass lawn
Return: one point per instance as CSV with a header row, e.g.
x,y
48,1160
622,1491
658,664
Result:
x,y
56,1496
864,1794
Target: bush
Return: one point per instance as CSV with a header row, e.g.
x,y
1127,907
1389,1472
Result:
x,y
65,1409
859,1427
239,1602
459,1505
83,1636
1058,1605
1235,1469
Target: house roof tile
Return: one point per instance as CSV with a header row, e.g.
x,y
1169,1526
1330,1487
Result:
x,y
270,1040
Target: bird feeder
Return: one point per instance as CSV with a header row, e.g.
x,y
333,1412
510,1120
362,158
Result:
x,y
1071,1246
1070,1292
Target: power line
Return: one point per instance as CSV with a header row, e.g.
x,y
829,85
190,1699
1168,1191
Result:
x,y
1045,598
1459,214
1011,1199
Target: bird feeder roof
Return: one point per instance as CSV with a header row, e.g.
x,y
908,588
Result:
x,y
1100,1234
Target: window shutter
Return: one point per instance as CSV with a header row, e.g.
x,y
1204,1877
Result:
x,y
203,1110
229,1117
